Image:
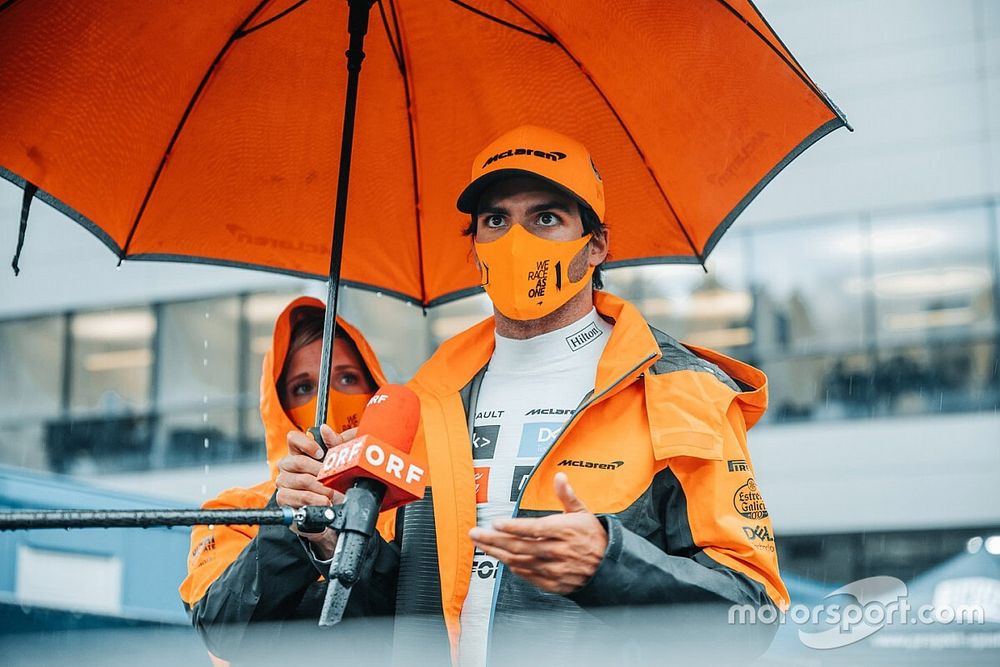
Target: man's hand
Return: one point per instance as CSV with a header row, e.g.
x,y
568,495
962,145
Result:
x,y
297,484
557,553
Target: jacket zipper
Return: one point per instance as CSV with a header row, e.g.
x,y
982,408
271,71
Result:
x,y
588,400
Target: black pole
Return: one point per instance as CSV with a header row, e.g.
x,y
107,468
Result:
x,y
33,519
357,26
310,517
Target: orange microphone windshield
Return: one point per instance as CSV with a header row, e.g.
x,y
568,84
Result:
x,y
392,416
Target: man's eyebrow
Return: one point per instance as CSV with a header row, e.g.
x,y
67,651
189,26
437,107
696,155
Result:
x,y
494,209
553,205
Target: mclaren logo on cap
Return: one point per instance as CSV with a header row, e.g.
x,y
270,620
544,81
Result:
x,y
555,156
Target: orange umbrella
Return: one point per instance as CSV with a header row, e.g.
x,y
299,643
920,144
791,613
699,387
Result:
x,y
211,132
221,132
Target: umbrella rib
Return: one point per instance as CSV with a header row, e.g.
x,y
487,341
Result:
x,y
789,60
279,15
414,170
621,122
183,120
543,36
389,36
7,4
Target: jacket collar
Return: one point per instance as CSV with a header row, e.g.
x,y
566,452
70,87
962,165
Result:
x,y
459,358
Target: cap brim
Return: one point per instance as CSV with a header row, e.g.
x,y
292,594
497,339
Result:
x,y
469,199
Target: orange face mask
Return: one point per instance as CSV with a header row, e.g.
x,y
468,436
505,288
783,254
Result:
x,y
526,276
343,411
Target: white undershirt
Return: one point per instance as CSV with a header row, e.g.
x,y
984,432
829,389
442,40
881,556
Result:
x,y
527,395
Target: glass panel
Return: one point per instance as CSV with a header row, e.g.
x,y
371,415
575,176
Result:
x,y
808,287
194,438
102,443
23,444
112,358
826,387
31,357
708,309
199,344
937,378
933,276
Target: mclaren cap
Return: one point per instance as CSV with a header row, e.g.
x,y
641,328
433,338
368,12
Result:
x,y
539,153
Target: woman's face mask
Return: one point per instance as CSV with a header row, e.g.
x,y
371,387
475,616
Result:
x,y
343,411
526,276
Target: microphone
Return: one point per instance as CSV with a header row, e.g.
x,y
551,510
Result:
x,y
375,472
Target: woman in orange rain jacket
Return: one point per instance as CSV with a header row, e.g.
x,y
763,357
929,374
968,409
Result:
x,y
287,402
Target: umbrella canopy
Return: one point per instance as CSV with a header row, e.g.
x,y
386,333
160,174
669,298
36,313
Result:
x,y
212,131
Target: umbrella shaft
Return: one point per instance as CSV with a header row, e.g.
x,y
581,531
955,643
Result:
x,y
357,25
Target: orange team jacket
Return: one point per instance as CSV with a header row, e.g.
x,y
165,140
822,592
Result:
x,y
675,416
214,548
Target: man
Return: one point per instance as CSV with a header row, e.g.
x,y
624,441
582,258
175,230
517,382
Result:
x,y
588,474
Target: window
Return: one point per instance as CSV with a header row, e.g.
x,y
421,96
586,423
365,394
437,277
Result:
x,y
112,359
933,277
710,309
808,287
31,356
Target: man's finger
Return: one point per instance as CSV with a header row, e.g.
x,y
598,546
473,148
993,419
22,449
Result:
x,y
508,558
536,549
566,494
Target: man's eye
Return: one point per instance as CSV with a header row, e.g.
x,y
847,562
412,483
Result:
x,y
493,221
548,219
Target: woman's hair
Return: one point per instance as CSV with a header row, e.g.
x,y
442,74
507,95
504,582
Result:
x,y
307,327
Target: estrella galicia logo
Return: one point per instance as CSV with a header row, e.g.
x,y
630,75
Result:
x,y
584,337
748,501
521,474
738,465
555,156
579,463
537,437
484,441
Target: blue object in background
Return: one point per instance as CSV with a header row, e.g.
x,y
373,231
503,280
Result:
x,y
141,568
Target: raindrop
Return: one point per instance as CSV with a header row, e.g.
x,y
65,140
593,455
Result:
x,y
211,526
204,418
204,362
206,343
206,443
204,399
206,314
204,490
974,545
206,468
378,295
118,268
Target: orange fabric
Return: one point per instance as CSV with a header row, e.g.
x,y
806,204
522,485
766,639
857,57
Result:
x,y
687,107
686,420
542,152
213,548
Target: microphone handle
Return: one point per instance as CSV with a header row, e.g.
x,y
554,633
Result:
x,y
360,514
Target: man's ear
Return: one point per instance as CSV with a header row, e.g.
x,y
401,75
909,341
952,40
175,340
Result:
x,y
598,247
